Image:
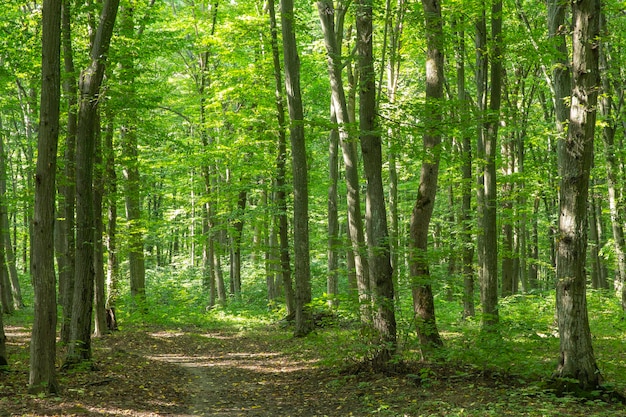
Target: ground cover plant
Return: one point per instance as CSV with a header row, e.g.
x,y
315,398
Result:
x,y
242,360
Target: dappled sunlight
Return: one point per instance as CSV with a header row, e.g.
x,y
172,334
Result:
x,y
260,362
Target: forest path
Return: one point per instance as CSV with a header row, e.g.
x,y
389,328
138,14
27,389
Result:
x,y
233,374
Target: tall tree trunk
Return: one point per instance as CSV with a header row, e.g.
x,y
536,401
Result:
x,y
281,162
381,275
340,107
423,300
467,251
575,154
236,237
509,275
486,151
100,324
612,165
68,190
42,378
4,359
91,79
112,279
5,233
302,268
130,163
334,241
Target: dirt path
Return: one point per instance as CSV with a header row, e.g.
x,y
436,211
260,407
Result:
x,y
233,375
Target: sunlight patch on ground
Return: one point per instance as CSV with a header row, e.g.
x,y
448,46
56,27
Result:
x,y
166,334
16,335
266,362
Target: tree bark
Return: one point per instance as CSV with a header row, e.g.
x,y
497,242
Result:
x,y
4,359
100,324
381,275
79,348
68,190
339,105
302,268
130,163
612,164
423,300
281,161
5,234
467,251
42,378
112,279
575,155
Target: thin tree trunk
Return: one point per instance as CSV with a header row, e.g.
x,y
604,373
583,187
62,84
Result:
x,y
91,80
236,237
612,167
100,324
130,163
112,279
68,190
281,162
340,106
334,242
42,378
304,322
4,359
423,300
467,251
381,275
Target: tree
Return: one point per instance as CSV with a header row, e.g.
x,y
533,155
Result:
x,y
339,106
130,162
66,236
423,300
380,272
79,349
280,184
4,361
42,378
302,268
489,108
575,155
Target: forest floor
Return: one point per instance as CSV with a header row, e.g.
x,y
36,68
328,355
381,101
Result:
x,y
156,371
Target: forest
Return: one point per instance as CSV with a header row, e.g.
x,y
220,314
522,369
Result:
x,y
329,208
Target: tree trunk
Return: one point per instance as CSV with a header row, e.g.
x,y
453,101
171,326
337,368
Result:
x,y
91,79
42,378
339,105
5,233
334,241
100,324
236,237
4,359
112,279
612,166
302,268
68,190
575,154
381,275
423,300
467,247
130,163
488,134
281,161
